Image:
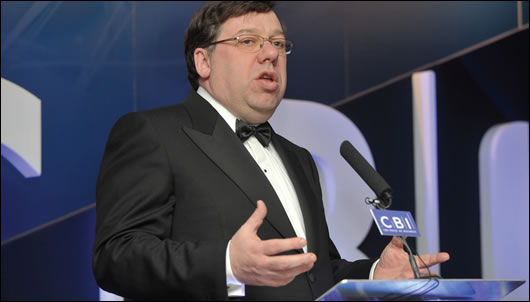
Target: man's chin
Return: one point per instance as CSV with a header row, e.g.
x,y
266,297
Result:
x,y
259,115
266,109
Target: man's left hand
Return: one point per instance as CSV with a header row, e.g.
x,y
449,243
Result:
x,y
394,262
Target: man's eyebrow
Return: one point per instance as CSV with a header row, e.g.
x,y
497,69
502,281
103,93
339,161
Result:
x,y
254,31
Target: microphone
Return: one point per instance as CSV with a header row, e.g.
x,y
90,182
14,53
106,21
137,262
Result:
x,y
370,176
382,190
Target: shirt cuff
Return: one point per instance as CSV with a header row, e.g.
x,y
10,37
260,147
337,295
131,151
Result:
x,y
372,271
233,286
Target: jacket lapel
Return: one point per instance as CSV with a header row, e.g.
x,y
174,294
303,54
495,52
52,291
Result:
x,y
215,138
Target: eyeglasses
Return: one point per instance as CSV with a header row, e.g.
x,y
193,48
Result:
x,y
253,43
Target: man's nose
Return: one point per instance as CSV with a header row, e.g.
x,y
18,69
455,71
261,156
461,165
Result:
x,y
268,52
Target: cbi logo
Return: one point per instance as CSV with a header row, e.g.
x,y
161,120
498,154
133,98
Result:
x,y
395,223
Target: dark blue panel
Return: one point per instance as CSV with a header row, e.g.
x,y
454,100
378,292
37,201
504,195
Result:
x,y
160,66
390,38
75,57
53,263
315,69
525,12
342,48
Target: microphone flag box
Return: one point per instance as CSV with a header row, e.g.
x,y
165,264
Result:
x,y
395,223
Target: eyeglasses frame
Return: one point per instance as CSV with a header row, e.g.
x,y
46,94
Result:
x,y
237,38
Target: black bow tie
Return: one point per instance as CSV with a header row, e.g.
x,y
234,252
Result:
x,y
262,132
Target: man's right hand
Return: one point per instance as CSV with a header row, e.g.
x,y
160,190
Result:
x,y
255,261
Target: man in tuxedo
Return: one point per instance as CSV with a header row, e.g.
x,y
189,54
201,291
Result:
x,y
203,200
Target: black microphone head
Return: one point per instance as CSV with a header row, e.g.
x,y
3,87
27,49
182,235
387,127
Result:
x,y
367,173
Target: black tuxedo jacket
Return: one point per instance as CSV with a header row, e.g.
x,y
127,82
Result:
x,y
174,185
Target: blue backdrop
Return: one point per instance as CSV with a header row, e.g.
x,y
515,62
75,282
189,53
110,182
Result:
x,y
91,62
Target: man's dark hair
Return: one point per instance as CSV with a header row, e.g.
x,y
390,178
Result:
x,y
205,23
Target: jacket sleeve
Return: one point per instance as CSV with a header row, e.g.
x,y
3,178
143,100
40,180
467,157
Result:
x,y
134,255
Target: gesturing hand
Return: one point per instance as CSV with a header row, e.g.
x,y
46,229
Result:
x,y
394,262
255,261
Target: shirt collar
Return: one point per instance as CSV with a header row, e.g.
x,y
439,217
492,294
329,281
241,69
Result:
x,y
228,116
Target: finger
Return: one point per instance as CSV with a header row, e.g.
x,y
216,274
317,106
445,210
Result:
x,y
291,264
281,270
276,246
256,219
428,273
396,242
288,275
432,259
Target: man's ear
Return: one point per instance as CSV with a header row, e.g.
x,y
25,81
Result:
x,y
202,62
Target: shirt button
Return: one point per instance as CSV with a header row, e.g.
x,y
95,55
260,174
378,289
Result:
x,y
312,278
